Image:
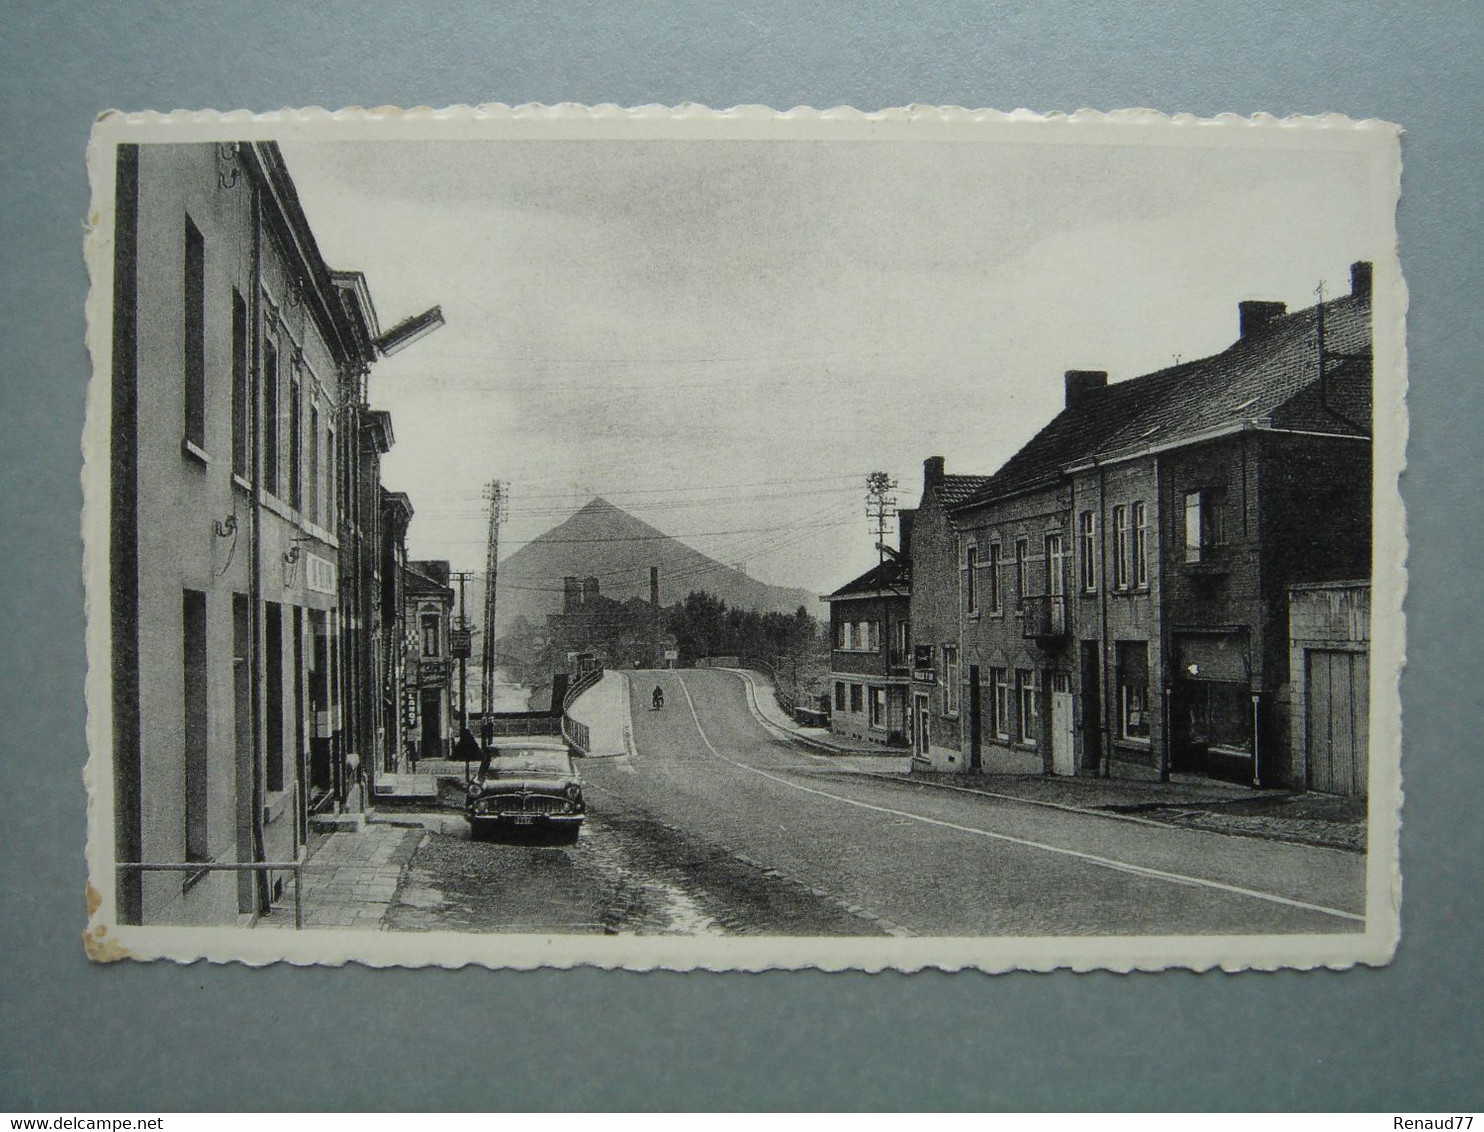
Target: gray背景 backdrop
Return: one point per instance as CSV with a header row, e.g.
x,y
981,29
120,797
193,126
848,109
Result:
x,y
158,1037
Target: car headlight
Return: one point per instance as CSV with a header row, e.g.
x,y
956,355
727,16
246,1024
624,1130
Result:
x,y
574,792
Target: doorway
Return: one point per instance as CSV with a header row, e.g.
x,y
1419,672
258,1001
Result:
x,y
976,747
1092,708
432,723
1063,756
922,732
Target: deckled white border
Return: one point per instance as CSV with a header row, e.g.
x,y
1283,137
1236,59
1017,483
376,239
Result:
x,y
1379,141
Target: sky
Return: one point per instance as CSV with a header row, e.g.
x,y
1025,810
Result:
x,y
724,337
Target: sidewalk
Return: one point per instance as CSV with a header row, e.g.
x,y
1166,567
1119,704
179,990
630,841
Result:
x,y
1190,801
604,708
764,705
350,880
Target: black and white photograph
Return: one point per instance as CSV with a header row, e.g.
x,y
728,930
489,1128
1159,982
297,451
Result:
x,y
678,539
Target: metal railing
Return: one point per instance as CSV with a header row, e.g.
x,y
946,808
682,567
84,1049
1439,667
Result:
x,y
1044,617
295,866
574,731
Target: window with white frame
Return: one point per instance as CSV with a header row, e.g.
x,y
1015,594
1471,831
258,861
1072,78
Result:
x,y
992,578
971,582
1202,525
1022,561
1140,517
1087,551
431,644
1056,565
950,680
999,702
1030,705
1120,547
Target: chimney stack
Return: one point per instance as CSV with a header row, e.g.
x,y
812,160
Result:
x,y
932,472
1360,279
1254,314
905,516
1081,383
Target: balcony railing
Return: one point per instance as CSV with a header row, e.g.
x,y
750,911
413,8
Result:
x,y
1044,618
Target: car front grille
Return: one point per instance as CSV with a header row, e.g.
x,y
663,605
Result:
x,y
523,804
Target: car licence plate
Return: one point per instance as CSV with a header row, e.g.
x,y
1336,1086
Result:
x,y
524,819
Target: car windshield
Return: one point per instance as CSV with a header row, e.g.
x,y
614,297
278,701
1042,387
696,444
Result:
x,y
509,763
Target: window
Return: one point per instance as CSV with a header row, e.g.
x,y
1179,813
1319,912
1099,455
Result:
x,y
999,702
332,485
1087,552
873,635
1202,525
1218,714
878,708
241,401
312,479
855,697
971,589
950,679
1120,547
296,445
1030,705
195,336
197,724
904,639
272,400
273,686
1133,690
1141,544
1022,557
1056,565
839,695
993,578
430,635
842,634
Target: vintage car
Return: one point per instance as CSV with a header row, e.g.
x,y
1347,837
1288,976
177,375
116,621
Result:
x,y
532,786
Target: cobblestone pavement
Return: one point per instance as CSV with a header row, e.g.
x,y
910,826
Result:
x,y
351,878
628,873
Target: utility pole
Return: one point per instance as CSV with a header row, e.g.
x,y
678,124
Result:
x,y
881,505
461,649
498,494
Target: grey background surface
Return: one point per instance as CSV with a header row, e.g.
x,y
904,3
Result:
x,y
78,1037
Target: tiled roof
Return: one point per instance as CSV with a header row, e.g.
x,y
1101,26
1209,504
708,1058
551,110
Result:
x,y
1249,381
417,582
888,575
955,489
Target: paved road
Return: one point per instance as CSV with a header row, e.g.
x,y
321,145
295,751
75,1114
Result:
x,y
917,860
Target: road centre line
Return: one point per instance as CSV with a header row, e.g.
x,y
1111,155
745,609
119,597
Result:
x,y
1090,858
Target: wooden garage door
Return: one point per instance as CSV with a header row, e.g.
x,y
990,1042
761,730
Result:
x,y
1338,704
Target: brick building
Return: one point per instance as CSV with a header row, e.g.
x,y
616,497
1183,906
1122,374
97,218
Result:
x,y
870,675
1122,581
937,629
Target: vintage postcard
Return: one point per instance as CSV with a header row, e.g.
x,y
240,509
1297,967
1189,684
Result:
x,y
666,538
